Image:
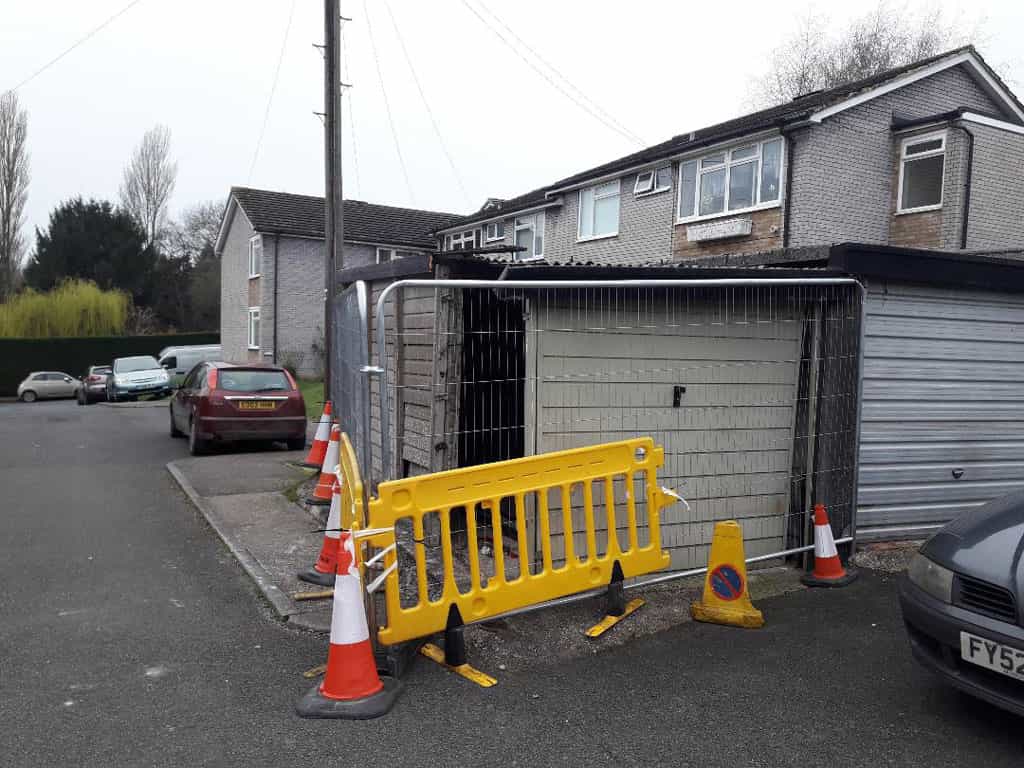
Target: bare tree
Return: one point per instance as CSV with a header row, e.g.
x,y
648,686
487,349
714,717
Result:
x,y
195,230
148,182
14,178
888,36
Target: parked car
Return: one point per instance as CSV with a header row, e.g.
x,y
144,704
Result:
x,y
961,600
40,385
131,377
178,361
224,402
94,384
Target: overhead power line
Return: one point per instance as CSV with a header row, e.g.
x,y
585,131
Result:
x,y
426,105
387,104
582,101
73,46
273,88
351,119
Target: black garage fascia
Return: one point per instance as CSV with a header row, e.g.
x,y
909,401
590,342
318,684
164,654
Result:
x,y
915,265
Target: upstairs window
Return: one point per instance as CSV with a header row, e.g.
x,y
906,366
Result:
x,y
461,241
922,164
255,255
731,181
529,235
649,182
599,211
495,231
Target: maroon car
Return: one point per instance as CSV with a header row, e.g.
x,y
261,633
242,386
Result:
x,y
222,402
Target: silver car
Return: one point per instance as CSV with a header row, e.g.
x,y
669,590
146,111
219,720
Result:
x,y
47,384
134,376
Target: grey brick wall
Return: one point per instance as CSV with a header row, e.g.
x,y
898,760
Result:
x,y
842,169
234,290
645,229
996,218
300,301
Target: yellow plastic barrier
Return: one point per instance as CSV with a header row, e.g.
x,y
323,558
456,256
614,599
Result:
x,y
479,491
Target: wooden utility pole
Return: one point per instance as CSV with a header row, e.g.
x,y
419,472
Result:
x,y
334,225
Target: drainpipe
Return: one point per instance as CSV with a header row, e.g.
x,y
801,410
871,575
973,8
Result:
x,y
277,241
967,187
789,188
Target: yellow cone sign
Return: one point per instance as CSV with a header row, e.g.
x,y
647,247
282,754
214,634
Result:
x,y
725,599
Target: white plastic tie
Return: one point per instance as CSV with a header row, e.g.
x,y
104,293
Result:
x,y
380,555
374,585
675,495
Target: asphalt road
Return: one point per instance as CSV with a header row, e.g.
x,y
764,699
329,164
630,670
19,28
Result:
x,y
130,637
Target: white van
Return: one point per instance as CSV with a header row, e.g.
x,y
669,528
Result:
x,y
180,360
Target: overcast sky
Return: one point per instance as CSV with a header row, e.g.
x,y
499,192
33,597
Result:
x,y
205,68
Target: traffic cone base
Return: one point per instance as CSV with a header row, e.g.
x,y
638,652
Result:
x,y
313,576
828,568
317,706
726,599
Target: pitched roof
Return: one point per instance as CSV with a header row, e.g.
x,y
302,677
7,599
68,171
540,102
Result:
x,y
800,108
303,216
494,207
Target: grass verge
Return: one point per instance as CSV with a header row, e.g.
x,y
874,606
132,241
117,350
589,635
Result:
x,y
313,394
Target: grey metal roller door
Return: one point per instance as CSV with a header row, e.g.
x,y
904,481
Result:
x,y
943,405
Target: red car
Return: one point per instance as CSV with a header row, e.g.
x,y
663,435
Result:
x,y
222,402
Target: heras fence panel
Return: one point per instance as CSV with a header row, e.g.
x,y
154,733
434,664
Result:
x,y
751,387
466,515
350,385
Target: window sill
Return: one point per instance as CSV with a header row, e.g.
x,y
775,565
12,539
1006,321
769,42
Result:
x,y
596,237
528,259
253,349
922,209
727,214
494,240
253,277
652,192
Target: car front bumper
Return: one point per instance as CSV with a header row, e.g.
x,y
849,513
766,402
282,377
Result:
x,y
147,389
252,428
934,630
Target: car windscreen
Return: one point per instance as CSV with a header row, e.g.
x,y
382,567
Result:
x,y
130,364
99,370
231,380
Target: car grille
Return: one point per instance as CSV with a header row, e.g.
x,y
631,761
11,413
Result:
x,y
982,597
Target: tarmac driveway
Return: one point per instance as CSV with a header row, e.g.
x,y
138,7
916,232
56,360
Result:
x,y
130,636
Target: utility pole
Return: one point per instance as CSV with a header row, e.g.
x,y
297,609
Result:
x,y
334,225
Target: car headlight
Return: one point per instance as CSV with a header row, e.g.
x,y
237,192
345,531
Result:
x,y
120,381
931,577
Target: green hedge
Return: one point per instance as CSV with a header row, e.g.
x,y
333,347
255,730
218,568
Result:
x,y
19,357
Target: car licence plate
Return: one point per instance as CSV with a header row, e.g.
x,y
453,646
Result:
x,y
992,655
256,405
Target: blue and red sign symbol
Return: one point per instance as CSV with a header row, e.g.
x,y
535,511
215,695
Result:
x,y
726,583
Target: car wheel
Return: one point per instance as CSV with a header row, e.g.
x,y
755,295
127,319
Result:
x,y
296,444
196,445
80,397
175,432
28,396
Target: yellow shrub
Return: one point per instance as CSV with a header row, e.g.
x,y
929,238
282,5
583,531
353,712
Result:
x,y
74,308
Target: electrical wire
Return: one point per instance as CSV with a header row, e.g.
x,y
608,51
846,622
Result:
x,y
597,107
553,83
351,120
273,89
387,104
73,46
426,105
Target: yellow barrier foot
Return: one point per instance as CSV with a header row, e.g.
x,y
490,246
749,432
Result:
x,y
472,674
726,599
610,621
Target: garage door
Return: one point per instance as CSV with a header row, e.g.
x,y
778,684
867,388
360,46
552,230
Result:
x,y
943,411
727,431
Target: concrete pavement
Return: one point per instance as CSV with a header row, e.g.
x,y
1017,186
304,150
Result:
x,y
129,636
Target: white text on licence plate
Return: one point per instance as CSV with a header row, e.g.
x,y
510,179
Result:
x,y
991,655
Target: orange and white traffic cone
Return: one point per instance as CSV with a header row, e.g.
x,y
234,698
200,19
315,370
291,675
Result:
x,y
321,495
326,564
828,568
351,687
317,451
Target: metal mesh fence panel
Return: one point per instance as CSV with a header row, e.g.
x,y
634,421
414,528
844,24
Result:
x,y
751,388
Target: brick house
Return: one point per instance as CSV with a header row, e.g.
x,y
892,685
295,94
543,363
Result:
x,y
271,246
929,155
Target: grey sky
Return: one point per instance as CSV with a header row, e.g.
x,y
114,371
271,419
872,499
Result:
x,y
205,69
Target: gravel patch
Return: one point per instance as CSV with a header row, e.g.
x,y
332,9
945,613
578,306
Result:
x,y
888,557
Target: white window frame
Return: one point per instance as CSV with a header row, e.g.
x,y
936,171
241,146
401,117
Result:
x,y
255,263
254,313
579,209
909,141
390,251
496,237
461,238
652,188
532,222
729,163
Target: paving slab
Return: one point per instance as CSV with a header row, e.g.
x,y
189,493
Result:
x,y
254,471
